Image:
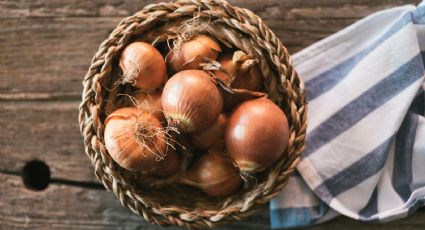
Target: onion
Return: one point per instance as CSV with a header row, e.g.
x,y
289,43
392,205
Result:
x,y
256,135
245,74
212,136
135,139
189,54
171,165
191,101
150,103
214,174
143,66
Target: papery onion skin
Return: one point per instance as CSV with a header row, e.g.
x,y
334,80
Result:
x,y
150,103
143,66
170,166
226,61
191,101
256,135
191,53
250,79
214,174
134,139
211,136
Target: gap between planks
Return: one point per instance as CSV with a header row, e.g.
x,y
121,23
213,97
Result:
x,y
39,96
59,181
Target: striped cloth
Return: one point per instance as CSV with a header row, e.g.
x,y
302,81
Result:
x,y
365,147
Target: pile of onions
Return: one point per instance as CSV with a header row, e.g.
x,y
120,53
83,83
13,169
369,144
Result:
x,y
222,147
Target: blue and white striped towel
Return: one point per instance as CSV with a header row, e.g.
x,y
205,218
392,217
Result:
x,y
365,148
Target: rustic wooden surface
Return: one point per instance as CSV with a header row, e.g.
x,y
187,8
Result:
x,y
45,50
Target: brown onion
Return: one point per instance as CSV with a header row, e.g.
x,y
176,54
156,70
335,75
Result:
x,y
191,101
256,135
211,136
150,103
134,139
214,174
143,66
171,165
248,78
193,52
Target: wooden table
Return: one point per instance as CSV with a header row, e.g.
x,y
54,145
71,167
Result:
x,y
45,50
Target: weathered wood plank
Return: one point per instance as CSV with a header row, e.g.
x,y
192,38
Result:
x,y
69,207
43,8
414,222
46,131
48,55
45,56
60,207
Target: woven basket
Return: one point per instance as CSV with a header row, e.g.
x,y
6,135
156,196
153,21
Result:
x,y
179,205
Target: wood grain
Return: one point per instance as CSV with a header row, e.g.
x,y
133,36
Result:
x,y
47,45
70,207
46,58
414,222
289,8
45,131
60,207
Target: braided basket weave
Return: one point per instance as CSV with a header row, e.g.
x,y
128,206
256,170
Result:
x,y
179,205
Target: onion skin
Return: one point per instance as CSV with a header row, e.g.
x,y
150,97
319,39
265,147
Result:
x,y
249,79
226,61
256,135
170,166
214,174
191,101
150,103
251,82
211,136
143,66
191,53
124,138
